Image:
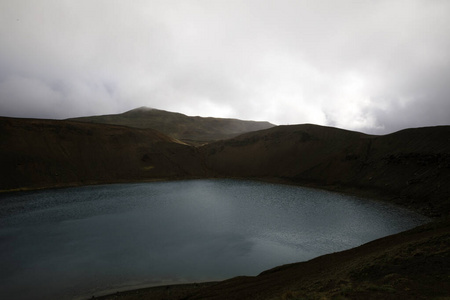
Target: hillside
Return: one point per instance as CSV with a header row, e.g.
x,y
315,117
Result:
x,y
49,153
194,130
410,167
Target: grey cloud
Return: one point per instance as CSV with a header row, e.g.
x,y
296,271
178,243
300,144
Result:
x,y
28,97
373,66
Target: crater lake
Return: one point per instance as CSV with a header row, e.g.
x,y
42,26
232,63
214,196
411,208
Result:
x,y
79,242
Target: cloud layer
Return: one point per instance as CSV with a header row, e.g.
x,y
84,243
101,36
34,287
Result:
x,y
372,66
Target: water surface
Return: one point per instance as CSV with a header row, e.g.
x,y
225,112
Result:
x,y
60,244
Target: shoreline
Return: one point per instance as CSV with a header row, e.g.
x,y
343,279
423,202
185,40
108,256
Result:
x,y
165,291
368,193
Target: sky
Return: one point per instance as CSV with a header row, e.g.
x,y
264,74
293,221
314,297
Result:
x,y
365,65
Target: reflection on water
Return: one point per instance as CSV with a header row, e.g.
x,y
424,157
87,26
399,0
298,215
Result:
x,y
80,241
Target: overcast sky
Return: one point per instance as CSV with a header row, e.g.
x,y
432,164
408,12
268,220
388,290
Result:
x,y
365,65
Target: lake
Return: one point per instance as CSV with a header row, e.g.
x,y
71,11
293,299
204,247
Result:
x,y
79,242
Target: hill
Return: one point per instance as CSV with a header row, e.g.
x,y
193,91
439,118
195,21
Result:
x,y
409,167
50,153
194,130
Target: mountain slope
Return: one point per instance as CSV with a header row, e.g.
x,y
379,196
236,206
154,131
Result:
x,y
49,153
412,166
189,129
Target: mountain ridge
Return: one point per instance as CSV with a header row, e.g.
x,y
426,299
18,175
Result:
x,y
194,130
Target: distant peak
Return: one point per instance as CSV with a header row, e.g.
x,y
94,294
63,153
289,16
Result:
x,y
143,108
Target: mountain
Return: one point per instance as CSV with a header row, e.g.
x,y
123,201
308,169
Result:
x,y
50,153
195,130
409,167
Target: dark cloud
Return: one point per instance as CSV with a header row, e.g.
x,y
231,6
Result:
x,y
373,66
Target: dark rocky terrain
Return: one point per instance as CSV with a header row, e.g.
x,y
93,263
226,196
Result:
x,y
410,167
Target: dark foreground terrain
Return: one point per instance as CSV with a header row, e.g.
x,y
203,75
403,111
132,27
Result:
x,y
410,168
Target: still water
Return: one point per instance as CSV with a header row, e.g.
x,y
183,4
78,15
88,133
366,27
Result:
x,y
67,243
